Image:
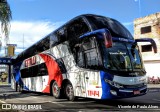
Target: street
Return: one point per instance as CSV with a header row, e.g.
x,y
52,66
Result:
x,y
45,102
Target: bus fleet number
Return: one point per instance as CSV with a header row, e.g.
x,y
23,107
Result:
x,y
93,93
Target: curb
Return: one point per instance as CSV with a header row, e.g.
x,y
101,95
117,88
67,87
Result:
x,y
153,89
5,85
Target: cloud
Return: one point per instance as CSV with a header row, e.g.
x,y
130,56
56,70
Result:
x,y
26,33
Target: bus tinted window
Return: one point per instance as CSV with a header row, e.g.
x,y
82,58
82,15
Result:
x,y
42,70
75,30
88,54
122,57
53,40
34,71
116,29
118,58
61,34
43,45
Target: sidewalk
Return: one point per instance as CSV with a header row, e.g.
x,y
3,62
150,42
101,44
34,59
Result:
x,y
6,89
153,86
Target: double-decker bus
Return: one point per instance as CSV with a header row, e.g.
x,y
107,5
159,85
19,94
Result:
x,y
90,56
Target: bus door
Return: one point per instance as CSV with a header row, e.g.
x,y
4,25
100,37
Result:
x,y
80,84
93,84
88,83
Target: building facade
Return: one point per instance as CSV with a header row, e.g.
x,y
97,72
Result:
x,y
4,74
149,27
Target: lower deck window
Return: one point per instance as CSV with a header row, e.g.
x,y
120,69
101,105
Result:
x,y
34,71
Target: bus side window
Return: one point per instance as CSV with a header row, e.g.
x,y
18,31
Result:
x,y
91,57
88,54
80,59
42,69
75,30
61,34
53,40
61,65
34,71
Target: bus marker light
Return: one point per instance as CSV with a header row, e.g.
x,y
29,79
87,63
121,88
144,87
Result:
x,y
98,87
107,39
113,92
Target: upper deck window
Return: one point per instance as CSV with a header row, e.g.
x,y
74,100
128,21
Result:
x,y
76,29
116,29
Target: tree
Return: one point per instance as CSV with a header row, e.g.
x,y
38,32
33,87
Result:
x,y
5,17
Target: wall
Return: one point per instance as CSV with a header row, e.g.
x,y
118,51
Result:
x,y
151,24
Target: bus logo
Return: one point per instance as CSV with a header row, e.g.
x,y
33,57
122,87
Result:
x,y
30,61
6,106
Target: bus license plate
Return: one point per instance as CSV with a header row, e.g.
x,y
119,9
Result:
x,y
136,92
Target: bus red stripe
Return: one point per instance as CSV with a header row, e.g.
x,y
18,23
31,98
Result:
x,y
53,71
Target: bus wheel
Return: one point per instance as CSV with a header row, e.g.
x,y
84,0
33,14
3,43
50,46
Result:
x,y
16,87
55,90
69,92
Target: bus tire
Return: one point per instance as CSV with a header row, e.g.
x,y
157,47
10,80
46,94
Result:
x,y
55,90
69,92
16,87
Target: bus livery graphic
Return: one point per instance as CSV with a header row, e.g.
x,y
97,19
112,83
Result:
x,y
90,56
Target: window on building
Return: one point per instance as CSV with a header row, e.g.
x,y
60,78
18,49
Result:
x,y
146,48
146,29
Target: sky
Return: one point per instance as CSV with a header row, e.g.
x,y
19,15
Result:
x,y
34,19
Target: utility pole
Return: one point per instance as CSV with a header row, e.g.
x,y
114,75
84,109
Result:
x,y
139,6
23,41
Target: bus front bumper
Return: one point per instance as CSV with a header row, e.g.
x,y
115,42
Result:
x,y
125,92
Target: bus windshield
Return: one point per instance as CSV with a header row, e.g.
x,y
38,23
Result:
x,y
122,57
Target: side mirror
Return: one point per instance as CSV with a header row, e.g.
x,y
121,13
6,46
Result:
x,y
103,34
153,44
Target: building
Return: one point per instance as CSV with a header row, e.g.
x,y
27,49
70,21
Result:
x,y
149,26
4,73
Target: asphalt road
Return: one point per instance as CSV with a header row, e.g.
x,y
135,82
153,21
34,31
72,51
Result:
x,y
28,101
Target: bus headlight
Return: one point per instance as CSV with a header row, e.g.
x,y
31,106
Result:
x,y
115,84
